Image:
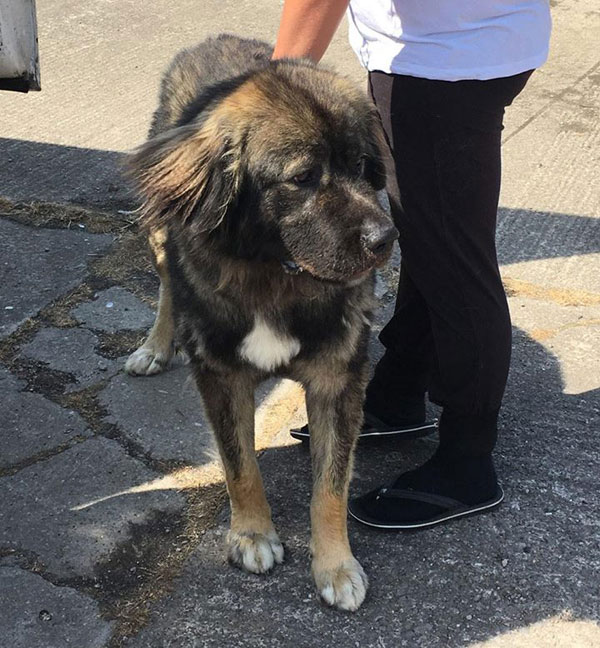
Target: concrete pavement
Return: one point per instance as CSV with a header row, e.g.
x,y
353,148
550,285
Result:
x,y
113,515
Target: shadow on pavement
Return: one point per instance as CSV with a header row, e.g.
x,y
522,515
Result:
x,y
62,174
534,558
527,235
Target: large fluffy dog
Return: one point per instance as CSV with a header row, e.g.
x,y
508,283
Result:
x,y
259,188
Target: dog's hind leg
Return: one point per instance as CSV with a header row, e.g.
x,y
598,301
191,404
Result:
x,y
334,404
252,541
156,352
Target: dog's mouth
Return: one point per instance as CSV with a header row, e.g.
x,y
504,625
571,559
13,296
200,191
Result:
x,y
349,259
293,268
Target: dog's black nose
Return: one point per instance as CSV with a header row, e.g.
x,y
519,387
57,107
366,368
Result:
x,y
377,236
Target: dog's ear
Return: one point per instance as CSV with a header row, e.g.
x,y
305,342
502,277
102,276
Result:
x,y
376,149
190,174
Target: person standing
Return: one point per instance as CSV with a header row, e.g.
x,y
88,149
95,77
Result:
x,y
441,75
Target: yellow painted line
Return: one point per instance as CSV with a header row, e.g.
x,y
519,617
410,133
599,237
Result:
x,y
563,297
541,335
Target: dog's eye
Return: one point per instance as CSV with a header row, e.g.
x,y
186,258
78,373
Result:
x,y
307,177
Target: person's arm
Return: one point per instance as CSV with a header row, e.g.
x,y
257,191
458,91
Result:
x,y
307,27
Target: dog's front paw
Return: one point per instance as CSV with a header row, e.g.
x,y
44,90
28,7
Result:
x,y
147,361
255,552
343,586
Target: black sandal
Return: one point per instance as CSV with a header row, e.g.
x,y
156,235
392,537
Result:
x,y
373,428
372,509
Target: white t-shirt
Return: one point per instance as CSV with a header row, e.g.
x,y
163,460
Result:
x,y
450,40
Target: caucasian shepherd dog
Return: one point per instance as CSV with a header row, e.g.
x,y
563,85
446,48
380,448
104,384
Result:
x,y
259,183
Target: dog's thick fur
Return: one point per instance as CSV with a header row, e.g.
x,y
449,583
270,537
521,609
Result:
x,y
259,185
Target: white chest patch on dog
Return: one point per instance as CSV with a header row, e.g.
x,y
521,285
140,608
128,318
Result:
x,y
266,348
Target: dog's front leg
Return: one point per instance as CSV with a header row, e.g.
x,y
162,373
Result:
x,y
335,416
252,541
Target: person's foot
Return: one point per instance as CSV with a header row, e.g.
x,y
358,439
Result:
x,y
375,428
444,488
392,410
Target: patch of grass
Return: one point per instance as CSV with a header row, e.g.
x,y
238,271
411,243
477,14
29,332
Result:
x,y
41,378
563,297
128,264
118,344
58,313
11,345
54,216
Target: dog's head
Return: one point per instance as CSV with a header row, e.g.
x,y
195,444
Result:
x,y
284,165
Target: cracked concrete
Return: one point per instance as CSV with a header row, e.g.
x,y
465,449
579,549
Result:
x,y
113,519
33,425
38,266
81,502
114,309
72,351
38,613
163,415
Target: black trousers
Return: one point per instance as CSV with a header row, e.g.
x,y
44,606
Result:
x,y
451,331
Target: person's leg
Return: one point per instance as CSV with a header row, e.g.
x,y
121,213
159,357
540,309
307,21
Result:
x,y
396,393
445,140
